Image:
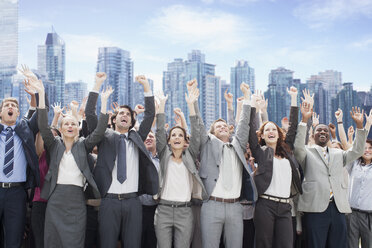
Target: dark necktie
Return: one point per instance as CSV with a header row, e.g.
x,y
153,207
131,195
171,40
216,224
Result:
x,y
122,159
9,153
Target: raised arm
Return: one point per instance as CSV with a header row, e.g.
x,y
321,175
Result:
x,y
149,113
242,129
368,121
359,143
230,109
96,136
299,144
253,139
293,118
194,146
57,113
161,133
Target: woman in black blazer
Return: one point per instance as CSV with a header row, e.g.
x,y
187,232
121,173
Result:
x,y
277,178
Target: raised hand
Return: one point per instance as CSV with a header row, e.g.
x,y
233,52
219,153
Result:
x,y
306,111
192,96
368,120
246,91
357,116
100,77
27,73
115,106
350,132
105,94
162,100
228,97
308,97
315,119
332,128
145,83
192,84
255,99
339,115
82,106
139,109
179,116
57,108
292,91
28,87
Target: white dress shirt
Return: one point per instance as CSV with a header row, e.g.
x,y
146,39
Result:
x,y
69,172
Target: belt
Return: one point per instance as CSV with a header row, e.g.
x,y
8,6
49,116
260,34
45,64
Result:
x,y
362,211
275,199
176,205
121,196
213,198
10,185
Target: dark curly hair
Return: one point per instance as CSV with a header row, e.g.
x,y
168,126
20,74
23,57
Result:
x,y
282,149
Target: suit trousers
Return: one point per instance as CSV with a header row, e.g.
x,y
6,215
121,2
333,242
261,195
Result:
x,y
13,215
120,218
65,217
216,217
37,222
273,224
173,223
359,227
148,229
326,229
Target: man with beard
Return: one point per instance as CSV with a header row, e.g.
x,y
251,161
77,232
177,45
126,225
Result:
x,y
325,196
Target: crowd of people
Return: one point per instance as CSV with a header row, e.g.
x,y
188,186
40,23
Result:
x,y
110,181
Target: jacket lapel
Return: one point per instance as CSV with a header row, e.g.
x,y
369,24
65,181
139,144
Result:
x,y
321,155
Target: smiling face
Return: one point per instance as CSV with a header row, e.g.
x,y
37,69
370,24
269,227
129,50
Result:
x,y
321,135
270,134
9,112
177,138
221,130
123,120
367,156
69,127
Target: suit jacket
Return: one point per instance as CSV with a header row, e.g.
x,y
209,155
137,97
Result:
x,y
26,129
265,155
107,153
79,150
189,156
321,175
211,153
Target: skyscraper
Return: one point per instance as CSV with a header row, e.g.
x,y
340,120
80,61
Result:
x,y
8,45
75,91
175,79
212,99
278,99
51,62
223,107
118,66
316,87
240,73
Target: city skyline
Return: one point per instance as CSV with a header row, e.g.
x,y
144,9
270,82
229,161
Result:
x,y
305,38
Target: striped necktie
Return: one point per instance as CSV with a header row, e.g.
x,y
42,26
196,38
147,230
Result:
x,y
9,153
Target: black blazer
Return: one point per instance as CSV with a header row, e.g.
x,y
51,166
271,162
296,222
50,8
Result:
x,y
265,155
148,175
26,131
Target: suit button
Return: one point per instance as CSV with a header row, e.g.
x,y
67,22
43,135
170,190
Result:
x,y
218,166
215,180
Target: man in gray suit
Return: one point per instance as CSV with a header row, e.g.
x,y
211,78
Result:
x,y
324,200
226,177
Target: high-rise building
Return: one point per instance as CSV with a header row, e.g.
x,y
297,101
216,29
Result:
x,y
75,91
240,73
176,77
8,45
212,100
118,66
345,100
223,106
320,99
278,99
332,83
51,62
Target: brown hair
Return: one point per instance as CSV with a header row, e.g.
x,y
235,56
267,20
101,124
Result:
x,y
281,147
211,130
9,99
183,130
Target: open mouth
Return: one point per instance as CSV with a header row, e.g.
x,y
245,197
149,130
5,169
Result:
x,y
148,142
124,121
271,136
322,137
177,143
10,113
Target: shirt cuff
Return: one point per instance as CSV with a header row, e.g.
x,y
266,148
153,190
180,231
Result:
x,y
32,108
302,123
148,94
94,91
246,102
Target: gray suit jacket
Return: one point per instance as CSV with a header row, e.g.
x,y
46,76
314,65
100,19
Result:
x,y
211,152
321,175
189,156
56,148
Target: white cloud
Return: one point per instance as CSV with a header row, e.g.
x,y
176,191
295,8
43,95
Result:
x,y
230,2
206,29
362,44
84,48
323,13
26,24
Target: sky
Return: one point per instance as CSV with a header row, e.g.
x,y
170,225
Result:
x,y
304,36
